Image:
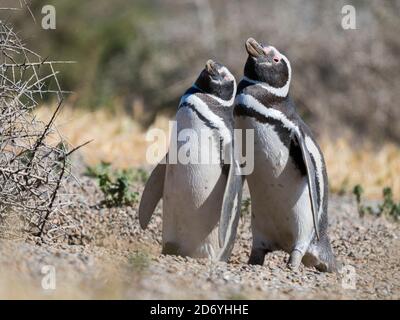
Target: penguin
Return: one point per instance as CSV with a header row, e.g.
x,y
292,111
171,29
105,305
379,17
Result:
x,y
289,183
195,193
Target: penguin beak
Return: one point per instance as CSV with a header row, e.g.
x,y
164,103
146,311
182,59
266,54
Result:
x,y
254,48
211,67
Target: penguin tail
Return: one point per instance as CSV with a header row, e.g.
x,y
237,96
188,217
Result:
x,y
321,256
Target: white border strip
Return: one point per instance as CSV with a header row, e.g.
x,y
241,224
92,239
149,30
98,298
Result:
x,y
203,108
253,103
313,149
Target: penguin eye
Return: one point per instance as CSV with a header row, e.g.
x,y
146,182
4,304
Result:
x,y
276,60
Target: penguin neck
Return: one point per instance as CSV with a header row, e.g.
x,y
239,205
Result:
x,y
258,91
222,102
207,110
282,92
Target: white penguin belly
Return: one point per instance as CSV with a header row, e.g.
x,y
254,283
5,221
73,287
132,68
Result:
x,y
192,199
281,210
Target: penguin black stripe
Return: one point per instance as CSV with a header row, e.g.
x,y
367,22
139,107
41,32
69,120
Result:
x,y
208,114
206,121
248,105
215,129
264,96
282,131
225,113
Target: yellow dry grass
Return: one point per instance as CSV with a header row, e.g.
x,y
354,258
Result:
x,y
117,138
373,167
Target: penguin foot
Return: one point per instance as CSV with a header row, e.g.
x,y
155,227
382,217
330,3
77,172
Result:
x,y
332,266
171,248
295,260
321,257
257,256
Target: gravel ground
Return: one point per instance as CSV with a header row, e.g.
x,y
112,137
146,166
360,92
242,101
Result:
x,y
106,255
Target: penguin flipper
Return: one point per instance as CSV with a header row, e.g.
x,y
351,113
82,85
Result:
x,y
311,178
230,211
152,193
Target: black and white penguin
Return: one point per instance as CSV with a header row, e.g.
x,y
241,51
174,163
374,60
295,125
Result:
x,y
289,184
195,192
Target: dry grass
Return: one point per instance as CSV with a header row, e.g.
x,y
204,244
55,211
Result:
x,y
120,140
116,137
371,166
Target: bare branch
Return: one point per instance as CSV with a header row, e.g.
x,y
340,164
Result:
x,y
32,169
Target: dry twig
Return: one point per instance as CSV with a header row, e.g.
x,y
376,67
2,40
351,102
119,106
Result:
x,y
33,157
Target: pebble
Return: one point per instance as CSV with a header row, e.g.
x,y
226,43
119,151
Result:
x,y
103,244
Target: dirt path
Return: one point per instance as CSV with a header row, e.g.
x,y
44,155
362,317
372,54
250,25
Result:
x,y
108,256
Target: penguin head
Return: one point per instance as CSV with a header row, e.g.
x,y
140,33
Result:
x,y
266,64
217,80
